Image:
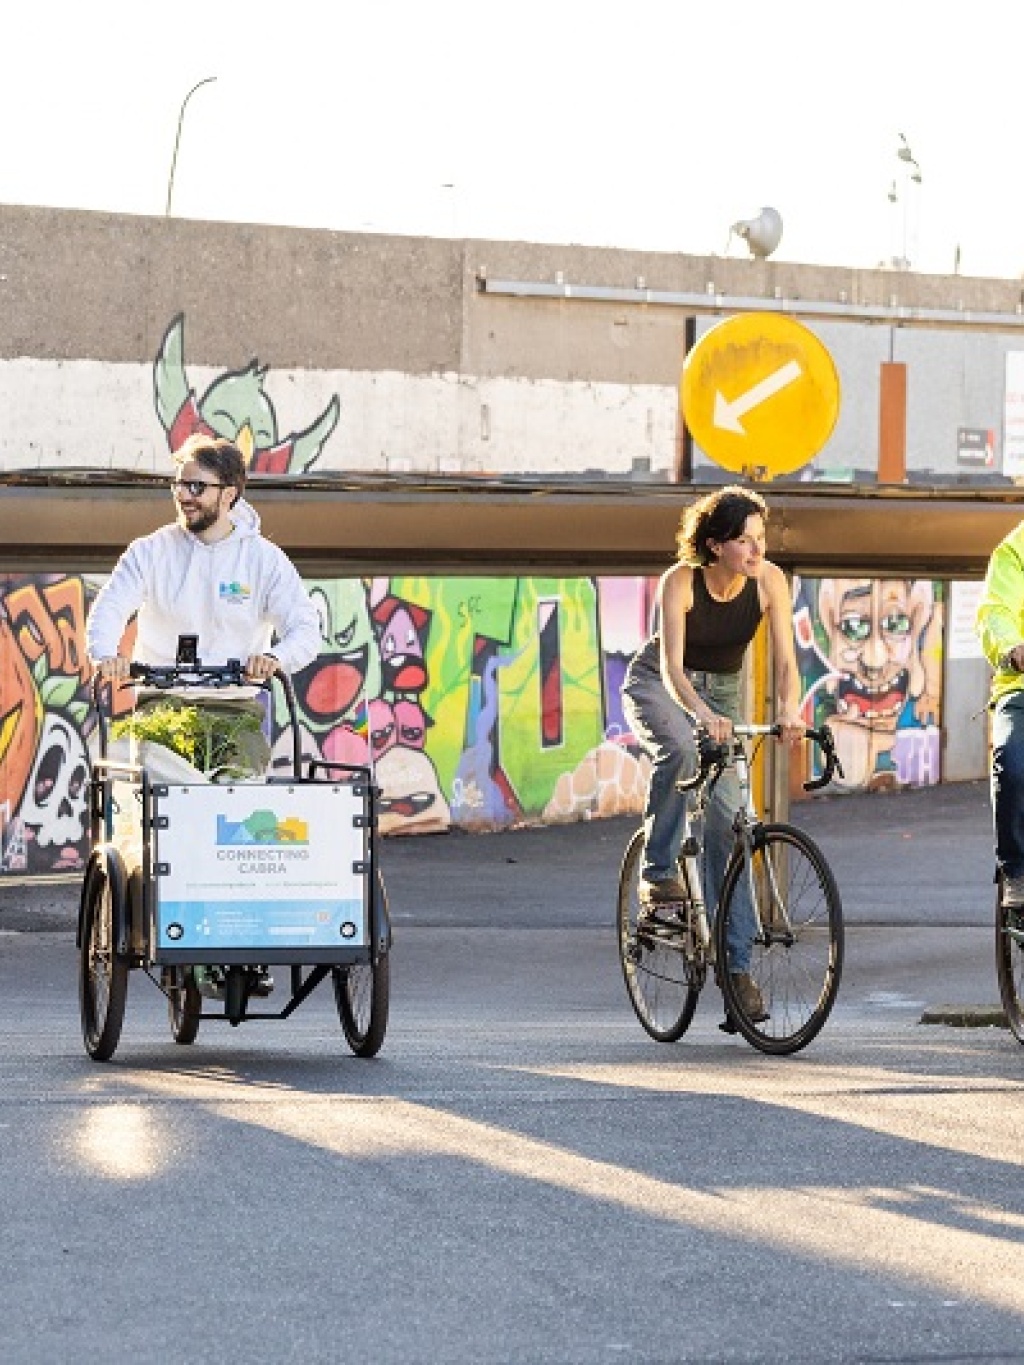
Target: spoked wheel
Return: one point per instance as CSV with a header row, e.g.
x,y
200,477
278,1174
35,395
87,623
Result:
x,y
103,972
662,984
184,1004
363,993
1009,970
797,955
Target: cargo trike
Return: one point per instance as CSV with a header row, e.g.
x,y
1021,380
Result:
x,y
201,885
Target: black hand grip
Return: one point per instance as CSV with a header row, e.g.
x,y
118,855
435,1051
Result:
x,y
824,740
710,754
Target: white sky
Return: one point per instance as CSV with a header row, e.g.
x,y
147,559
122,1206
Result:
x,y
653,124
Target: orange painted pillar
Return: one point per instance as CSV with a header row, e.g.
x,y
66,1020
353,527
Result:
x,y
892,423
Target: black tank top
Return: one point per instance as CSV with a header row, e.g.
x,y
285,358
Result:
x,y
717,633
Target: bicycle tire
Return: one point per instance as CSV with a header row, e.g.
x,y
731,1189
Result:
x,y
362,993
662,987
1009,970
184,1005
797,966
103,972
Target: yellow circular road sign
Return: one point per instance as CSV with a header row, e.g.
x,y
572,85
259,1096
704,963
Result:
x,y
760,394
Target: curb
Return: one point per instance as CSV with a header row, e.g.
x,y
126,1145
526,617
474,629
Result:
x,y
966,1016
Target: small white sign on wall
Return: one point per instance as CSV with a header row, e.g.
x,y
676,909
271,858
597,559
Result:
x,y
1013,416
961,638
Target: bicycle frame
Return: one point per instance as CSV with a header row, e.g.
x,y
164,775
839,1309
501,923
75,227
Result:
x,y
747,821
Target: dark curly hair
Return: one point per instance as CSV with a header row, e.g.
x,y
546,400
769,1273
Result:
x,y
719,516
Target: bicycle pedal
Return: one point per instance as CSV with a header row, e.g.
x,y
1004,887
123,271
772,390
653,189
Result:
x,y
729,1025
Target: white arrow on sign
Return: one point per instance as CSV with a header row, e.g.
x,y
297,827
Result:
x,y
727,415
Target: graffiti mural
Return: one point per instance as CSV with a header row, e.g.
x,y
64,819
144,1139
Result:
x,y
44,723
237,406
870,656
480,703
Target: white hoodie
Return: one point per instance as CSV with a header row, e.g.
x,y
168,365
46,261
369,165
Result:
x,y
242,596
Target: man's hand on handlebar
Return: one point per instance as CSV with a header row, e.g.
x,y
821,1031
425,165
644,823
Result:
x,y
261,667
114,669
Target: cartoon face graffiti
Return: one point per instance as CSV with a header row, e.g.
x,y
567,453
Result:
x,y
874,629
348,666
412,800
53,809
401,628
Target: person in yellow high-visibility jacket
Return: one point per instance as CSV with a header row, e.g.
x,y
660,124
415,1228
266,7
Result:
x,y
1000,628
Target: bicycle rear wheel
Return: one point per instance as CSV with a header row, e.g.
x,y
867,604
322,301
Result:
x,y
797,956
1009,970
663,987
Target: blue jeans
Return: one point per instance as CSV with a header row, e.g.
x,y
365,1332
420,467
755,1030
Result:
x,y
1008,783
665,734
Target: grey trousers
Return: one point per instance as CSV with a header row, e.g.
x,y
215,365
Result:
x,y
664,732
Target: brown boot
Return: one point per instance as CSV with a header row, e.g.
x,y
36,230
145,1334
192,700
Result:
x,y
667,892
749,998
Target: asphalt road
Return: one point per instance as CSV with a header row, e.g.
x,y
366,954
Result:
x,y
522,1175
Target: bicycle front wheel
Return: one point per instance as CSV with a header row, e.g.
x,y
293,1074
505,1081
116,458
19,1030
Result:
x,y
1009,970
662,986
797,953
103,971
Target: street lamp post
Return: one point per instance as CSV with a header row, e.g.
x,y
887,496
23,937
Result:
x,y
911,175
177,140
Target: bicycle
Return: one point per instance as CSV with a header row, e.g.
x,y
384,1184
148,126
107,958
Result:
x,y
1009,966
666,951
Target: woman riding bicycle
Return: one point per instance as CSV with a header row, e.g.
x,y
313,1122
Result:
x,y
687,678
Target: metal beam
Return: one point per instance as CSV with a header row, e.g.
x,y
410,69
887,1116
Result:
x,y
838,310
350,526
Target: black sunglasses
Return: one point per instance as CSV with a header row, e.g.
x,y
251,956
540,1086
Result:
x,y
196,487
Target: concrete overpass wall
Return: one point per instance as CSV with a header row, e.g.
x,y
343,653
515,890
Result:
x,y
386,353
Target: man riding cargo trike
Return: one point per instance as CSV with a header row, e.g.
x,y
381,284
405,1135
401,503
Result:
x,y
201,883
203,869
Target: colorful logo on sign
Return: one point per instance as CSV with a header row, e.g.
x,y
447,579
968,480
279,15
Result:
x,y
262,827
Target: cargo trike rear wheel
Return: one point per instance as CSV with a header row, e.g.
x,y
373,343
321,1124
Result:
x,y
184,1004
362,992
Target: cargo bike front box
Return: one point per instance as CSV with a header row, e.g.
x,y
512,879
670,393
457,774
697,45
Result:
x,y
261,873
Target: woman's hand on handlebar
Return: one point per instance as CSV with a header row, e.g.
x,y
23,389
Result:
x,y
793,729
717,728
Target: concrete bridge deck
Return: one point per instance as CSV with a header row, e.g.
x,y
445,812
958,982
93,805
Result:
x,y
351,524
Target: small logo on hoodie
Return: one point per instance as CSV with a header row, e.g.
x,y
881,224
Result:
x,y
234,592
